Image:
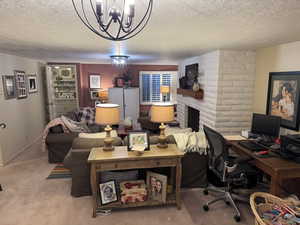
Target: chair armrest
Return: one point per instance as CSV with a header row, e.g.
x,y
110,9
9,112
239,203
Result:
x,y
60,138
76,157
88,143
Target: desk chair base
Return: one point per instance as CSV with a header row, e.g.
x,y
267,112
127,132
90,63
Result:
x,y
228,197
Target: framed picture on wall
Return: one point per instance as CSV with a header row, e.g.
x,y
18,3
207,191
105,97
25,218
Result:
x,y
95,81
284,98
32,83
21,86
9,86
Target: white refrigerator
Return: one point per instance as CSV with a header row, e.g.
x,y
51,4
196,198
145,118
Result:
x,y
129,101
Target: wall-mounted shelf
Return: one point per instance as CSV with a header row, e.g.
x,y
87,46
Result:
x,y
190,93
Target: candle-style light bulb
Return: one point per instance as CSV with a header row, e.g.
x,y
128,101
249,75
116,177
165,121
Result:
x,y
129,8
99,6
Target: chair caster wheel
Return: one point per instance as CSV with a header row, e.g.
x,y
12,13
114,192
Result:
x,y
205,208
237,218
205,192
227,203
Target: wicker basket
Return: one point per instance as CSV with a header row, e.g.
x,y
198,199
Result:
x,y
267,204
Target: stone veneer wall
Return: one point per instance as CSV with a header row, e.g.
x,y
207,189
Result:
x,y
209,67
228,83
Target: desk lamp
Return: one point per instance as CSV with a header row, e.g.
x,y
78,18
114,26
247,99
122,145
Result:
x,y
162,113
107,114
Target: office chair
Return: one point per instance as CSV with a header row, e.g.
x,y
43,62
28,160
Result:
x,y
231,172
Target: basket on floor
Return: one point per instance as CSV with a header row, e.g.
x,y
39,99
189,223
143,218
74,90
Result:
x,y
261,202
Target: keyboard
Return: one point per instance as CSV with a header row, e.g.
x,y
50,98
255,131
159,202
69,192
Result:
x,y
251,145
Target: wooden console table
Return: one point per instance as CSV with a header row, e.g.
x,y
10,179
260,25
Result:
x,y
121,159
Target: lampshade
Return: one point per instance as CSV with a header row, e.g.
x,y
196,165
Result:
x,y
162,112
103,94
165,89
107,114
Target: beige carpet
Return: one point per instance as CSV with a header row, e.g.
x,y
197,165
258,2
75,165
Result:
x,y
30,199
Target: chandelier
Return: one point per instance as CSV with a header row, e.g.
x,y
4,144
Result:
x,y
114,20
119,60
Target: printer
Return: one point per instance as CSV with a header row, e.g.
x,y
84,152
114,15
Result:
x,y
290,147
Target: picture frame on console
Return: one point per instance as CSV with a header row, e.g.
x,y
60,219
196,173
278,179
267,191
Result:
x,y
108,192
157,186
138,138
284,98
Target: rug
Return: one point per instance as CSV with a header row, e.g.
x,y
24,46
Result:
x,y
60,172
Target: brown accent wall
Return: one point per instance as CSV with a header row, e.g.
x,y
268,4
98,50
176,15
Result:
x,y
108,72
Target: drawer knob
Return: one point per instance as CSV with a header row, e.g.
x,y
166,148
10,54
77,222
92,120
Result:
x,y
116,165
157,163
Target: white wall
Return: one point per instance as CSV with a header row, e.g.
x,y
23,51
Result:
x,y
278,58
235,91
25,118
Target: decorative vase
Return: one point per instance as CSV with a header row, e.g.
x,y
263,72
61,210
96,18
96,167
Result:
x,y
196,87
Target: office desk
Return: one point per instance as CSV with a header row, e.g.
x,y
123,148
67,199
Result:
x,y
279,169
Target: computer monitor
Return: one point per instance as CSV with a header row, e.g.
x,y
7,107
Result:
x,y
265,125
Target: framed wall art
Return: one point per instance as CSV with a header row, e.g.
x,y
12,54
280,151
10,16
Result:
x,y
21,84
9,86
95,81
32,83
284,98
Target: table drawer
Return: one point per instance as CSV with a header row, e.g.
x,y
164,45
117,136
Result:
x,y
136,164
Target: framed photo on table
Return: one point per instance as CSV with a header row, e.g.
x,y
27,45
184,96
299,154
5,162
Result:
x,y
21,85
284,98
9,86
138,138
157,186
32,83
95,81
108,192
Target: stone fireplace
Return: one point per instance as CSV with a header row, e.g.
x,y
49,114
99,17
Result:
x,y
193,117
227,78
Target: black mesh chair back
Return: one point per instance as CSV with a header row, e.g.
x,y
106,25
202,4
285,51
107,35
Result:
x,y
217,151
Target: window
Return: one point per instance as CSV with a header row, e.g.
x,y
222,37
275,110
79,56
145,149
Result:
x,y
150,83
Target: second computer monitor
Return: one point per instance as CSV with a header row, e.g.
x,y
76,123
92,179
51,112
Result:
x,y
265,125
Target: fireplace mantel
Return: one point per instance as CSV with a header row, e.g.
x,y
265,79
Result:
x,y
193,94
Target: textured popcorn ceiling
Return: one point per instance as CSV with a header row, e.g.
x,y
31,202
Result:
x,y
50,30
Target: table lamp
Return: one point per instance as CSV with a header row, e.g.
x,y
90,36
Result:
x,y
107,114
164,90
103,96
162,113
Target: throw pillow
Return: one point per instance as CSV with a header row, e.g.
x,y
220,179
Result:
x,y
74,126
100,135
87,115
